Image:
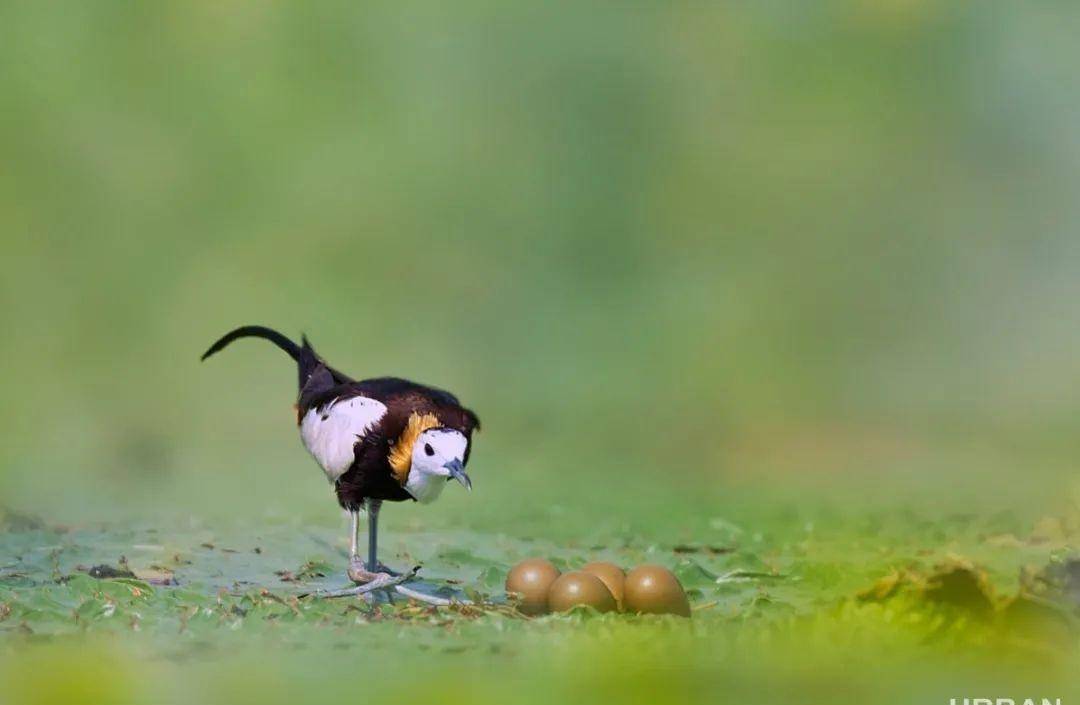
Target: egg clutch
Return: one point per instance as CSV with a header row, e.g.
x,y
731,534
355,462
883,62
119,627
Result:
x,y
539,587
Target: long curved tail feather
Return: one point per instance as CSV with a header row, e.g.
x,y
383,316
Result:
x,y
293,350
307,361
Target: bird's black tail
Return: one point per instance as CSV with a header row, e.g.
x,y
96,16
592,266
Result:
x,y
307,361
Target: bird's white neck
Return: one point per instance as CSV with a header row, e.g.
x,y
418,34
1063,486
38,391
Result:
x,y
425,487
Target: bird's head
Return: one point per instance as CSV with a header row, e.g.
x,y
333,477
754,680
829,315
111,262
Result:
x,y
440,452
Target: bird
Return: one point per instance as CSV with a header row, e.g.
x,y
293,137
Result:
x,y
377,440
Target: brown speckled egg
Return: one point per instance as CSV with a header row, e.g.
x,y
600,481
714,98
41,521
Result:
x,y
612,575
579,588
653,589
529,580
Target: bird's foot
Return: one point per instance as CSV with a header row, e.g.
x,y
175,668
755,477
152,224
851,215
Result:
x,y
381,583
358,571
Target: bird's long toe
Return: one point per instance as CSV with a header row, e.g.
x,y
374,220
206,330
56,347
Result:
x,y
381,567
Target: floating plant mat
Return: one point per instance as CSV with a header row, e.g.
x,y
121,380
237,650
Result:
x,y
196,579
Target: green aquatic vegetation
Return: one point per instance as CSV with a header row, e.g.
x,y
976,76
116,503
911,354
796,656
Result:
x,y
783,604
204,580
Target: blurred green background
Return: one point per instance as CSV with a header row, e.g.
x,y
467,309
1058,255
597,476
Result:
x,y
686,260
682,245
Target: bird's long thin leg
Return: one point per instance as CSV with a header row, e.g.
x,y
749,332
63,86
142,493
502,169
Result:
x,y
358,571
354,539
373,507
373,564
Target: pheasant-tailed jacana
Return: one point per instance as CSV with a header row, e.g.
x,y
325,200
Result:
x,y
382,439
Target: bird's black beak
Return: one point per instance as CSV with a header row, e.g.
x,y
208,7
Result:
x,y
457,471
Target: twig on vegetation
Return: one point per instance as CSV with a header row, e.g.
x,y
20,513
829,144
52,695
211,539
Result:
x,y
741,576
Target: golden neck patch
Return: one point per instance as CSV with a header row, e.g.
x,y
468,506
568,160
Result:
x,y
401,454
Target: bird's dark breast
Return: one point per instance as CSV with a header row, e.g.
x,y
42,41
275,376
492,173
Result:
x,y
370,476
360,483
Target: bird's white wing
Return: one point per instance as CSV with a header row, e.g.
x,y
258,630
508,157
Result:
x,y
331,431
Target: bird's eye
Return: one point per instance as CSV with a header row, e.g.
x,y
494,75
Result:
x,y
428,450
